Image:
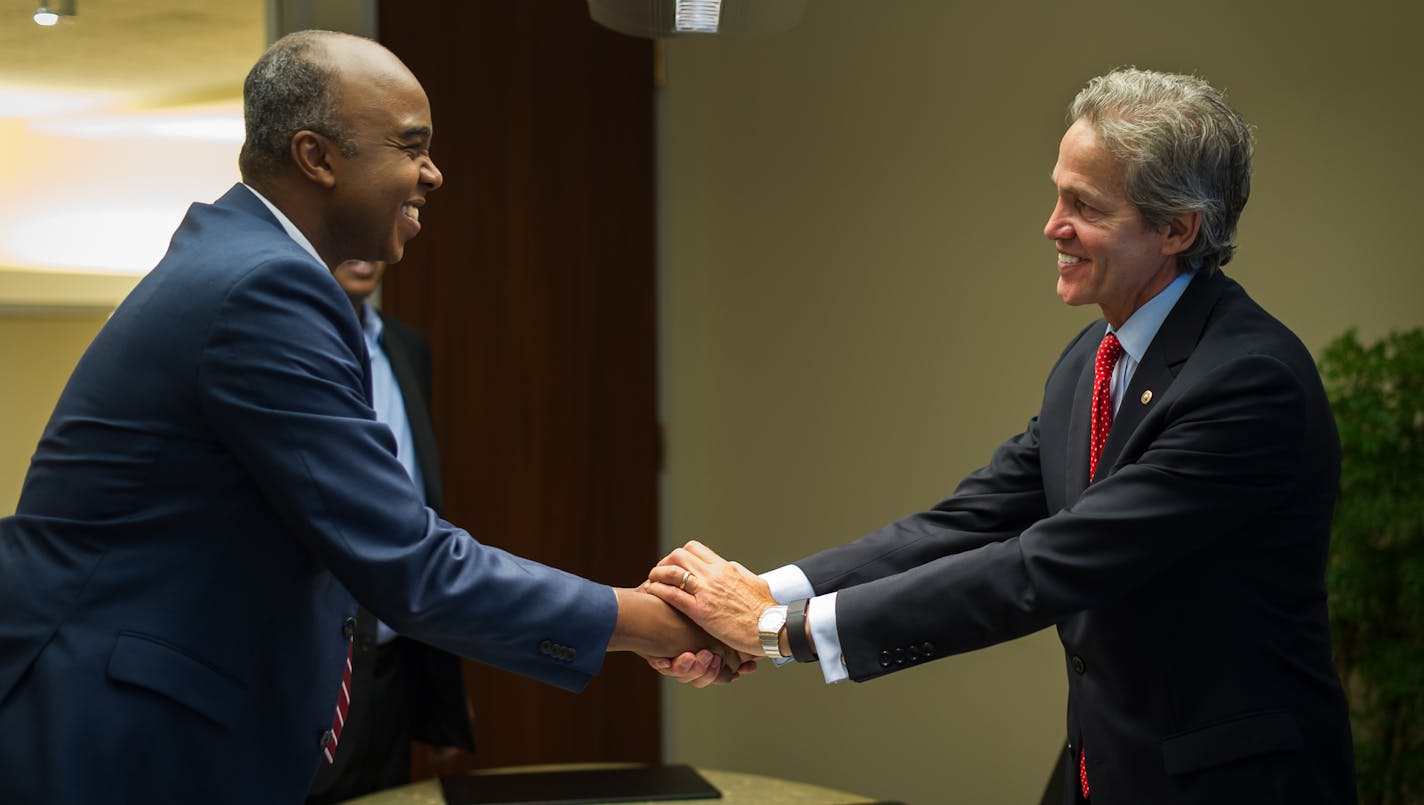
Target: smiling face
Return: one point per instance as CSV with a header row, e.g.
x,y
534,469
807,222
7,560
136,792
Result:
x,y
379,189
1107,254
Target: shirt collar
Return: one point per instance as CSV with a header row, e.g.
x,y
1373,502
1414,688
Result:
x,y
291,228
371,323
1141,327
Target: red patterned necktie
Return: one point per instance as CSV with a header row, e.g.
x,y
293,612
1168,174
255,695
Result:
x,y
1108,353
1083,771
343,703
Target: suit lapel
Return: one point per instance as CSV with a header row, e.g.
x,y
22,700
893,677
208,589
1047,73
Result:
x,y
1170,349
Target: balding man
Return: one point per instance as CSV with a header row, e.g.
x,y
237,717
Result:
x,y
213,494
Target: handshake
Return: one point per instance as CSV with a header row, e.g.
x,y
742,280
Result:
x,y
695,618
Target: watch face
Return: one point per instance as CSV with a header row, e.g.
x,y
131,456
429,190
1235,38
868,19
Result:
x,y
769,630
772,620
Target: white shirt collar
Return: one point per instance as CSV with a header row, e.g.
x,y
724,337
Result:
x,y
287,225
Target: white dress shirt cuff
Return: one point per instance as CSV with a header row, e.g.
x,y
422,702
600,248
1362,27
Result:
x,y
821,618
788,583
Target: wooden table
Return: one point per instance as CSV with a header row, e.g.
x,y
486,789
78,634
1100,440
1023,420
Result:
x,y
738,788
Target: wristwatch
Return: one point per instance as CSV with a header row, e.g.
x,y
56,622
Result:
x,y
796,631
769,625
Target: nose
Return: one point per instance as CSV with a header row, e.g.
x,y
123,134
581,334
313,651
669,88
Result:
x,y
430,176
1058,226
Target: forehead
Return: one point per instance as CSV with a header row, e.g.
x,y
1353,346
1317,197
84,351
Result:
x,y
376,90
1085,165
387,110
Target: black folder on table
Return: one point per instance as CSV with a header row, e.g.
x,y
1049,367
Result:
x,y
633,784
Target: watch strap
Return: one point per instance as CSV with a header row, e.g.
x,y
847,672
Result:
x,y
796,631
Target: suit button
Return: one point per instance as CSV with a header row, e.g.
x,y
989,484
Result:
x,y
899,656
885,661
914,652
327,739
546,647
1078,664
927,648
570,652
348,628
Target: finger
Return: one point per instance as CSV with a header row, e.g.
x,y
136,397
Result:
x,y
728,676
714,669
677,578
702,552
659,664
681,557
684,668
690,664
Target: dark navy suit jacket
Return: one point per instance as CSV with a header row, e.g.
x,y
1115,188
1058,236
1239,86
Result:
x,y
1187,581
174,582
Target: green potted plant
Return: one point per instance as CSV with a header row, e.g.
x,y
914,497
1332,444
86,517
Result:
x,y
1376,572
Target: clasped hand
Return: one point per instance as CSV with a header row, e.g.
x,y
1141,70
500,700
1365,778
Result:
x,y
720,596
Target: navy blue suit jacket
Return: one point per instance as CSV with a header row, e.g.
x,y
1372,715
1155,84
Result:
x,y
1187,581
174,582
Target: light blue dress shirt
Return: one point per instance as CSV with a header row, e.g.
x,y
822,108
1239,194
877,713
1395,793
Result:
x,y
788,583
389,403
387,399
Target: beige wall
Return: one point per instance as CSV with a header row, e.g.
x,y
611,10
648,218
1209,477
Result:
x,y
852,232
47,319
37,352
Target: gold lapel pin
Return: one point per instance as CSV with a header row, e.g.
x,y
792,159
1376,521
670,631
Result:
x,y
1147,396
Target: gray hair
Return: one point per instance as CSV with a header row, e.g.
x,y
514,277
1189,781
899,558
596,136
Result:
x,y
290,89
1184,148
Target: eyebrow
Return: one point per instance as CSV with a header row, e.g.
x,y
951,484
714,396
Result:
x,y
422,132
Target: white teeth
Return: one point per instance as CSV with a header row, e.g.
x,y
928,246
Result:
x,y
1068,259
411,211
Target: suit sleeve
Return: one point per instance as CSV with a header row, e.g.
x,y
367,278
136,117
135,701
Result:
x,y
283,384
994,503
1230,449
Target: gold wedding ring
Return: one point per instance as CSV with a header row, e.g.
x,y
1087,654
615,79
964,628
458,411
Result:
x,y
686,574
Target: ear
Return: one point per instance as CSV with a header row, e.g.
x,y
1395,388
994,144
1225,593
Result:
x,y
1181,232
312,153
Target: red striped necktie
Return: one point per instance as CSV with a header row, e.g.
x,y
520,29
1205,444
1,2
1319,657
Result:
x,y
343,704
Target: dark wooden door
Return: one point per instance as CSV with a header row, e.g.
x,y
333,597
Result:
x,y
533,277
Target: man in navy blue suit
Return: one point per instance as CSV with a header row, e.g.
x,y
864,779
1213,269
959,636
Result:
x,y
213,494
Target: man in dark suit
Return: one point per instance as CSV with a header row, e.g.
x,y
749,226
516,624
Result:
x,y
1168,508
213,492
402,689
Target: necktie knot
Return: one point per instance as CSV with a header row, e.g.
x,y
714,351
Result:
x,y
1108,352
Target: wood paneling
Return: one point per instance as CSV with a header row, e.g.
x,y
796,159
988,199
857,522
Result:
x,y
533,277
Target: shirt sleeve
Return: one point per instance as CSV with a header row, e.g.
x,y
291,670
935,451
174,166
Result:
x,y
788,583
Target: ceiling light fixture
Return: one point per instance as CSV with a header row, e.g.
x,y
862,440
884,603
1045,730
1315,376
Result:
x,y
697,16
49,13
722,19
